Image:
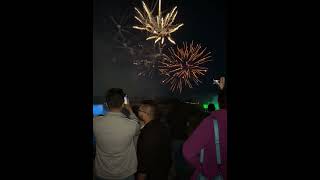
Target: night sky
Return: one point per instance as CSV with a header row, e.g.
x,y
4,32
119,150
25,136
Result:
x,y
203,23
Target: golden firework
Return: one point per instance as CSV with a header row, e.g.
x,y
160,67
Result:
x,y
184,66
159,26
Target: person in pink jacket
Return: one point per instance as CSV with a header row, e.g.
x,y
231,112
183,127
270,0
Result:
x,y
203,138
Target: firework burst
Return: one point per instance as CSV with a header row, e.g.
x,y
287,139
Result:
x,y
185,66
159,26
146,60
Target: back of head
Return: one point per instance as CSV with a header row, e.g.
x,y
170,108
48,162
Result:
x,y
211,107
152,108
114,98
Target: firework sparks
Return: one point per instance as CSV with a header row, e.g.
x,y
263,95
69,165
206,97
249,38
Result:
x,y
146,67
147,59
160,26
184,66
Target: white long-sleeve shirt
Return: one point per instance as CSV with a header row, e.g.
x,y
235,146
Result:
x,y
115,147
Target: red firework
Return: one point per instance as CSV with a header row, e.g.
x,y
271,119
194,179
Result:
x,y
185,66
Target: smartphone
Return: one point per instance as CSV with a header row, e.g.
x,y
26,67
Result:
x,y
126,101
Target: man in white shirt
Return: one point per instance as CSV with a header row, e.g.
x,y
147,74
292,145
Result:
x,y
116,157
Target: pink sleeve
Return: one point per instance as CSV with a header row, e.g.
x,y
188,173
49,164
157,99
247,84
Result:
x,y
198,139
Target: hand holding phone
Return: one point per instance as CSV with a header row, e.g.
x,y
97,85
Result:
x,y
126,104
126,100
222,83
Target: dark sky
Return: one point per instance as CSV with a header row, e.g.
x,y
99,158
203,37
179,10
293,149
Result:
x,y
203,23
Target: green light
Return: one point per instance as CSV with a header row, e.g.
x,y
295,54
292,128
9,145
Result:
x,y
216,103
205,106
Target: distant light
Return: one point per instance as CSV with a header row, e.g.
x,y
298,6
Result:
x,y
216,103
192,103
205,106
